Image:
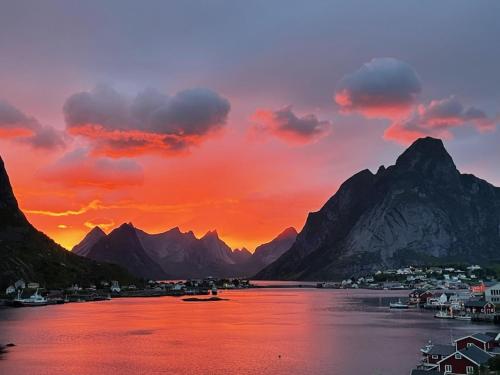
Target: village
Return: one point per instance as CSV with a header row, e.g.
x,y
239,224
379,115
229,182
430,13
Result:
x,y
32,294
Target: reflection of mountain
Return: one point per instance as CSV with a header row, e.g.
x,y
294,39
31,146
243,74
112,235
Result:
x,y
419,210
178,255
27,253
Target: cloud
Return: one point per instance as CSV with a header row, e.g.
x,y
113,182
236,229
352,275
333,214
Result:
x,y
80,169
26,129
149,122
104,224
438,119
383,87
285,124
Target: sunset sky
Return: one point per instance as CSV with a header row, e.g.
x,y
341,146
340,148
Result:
x,y
240,116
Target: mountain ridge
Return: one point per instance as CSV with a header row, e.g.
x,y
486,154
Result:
x,y
420,209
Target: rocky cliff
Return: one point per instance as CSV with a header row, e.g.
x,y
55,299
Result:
x,y
420,210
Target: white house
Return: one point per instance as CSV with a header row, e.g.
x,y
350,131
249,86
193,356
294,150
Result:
x,y
20,284
115,287
10,290
492,293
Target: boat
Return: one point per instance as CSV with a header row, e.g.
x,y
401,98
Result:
x,y
444,314
214,290
463,317
35,299
398,305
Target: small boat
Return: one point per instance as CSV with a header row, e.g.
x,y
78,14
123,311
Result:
x,y
214,290
463,317
443,314
34,300
398,305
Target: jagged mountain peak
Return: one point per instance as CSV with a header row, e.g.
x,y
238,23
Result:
x,y
211,234
290,231
420,210
429,157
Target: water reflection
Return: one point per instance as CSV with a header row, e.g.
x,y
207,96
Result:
x,y
261,331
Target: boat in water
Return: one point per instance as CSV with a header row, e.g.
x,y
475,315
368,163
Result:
x,y
398,305
463,317
35,299
444,314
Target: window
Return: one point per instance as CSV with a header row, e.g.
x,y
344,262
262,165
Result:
x,y
469,370
469,344
434,356
458,356
447,368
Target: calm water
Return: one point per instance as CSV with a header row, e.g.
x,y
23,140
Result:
x,y
264,331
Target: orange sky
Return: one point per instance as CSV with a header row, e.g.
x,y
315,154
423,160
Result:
x,y
248,190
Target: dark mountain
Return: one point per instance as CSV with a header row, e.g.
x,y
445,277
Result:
x,y
420,210
122,247
90,240
241,256
267,253
29,254
182,255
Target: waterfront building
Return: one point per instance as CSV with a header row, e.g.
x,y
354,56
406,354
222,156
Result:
x,y
482,341
20,284
479,307
466,361
10,290
492,293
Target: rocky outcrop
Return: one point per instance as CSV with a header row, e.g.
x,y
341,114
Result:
x,y
420,210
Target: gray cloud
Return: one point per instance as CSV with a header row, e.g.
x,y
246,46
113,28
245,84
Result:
x,y
285,124
381,87
26,129
149,121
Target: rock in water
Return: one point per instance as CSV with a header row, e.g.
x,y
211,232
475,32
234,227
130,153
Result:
x,y
418,211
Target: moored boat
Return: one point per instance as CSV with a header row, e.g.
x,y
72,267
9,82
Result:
x,y
398,305
35,299
444,314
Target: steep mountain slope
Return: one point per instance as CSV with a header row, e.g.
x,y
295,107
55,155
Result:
x,y
182,255
90,240
122,247
419,210
29,254
267,253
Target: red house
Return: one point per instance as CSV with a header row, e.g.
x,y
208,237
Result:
x,y
479,307
481,340
433,353
419,296
465,361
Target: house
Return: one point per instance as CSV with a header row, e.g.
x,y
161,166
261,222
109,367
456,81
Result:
x,y
20,284
434,353
10,290
465,361
492,293
419,296
115,287
480,340
479,307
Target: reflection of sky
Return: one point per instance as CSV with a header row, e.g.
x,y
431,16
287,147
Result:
x,y
258,55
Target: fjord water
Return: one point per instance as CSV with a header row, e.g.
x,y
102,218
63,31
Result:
x,y
257,331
